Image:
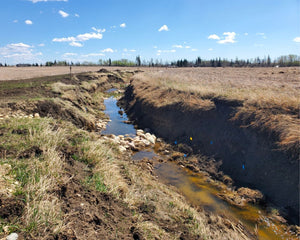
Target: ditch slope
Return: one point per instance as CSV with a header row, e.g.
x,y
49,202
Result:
x,y
251,157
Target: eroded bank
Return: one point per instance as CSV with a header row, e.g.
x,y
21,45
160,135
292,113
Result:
x,y
250,157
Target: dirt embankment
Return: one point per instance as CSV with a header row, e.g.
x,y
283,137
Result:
x,y
250,157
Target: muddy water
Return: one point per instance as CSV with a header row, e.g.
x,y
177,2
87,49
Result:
x,y
195,187
200,192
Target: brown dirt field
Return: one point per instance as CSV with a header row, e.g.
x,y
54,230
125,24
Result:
x,y
16,73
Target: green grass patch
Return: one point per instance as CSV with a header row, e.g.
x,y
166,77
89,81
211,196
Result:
x,y
96,181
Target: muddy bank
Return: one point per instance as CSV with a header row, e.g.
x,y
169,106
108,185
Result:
x,y
250,157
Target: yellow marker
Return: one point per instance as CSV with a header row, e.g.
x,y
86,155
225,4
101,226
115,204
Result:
x,y
191,138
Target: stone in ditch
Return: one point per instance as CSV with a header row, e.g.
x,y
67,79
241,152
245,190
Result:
x,y
12,236
122,149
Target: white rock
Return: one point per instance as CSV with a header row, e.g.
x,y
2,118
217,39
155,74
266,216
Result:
x,y
139,132
36,115
12,236
150,138
146,142
122,149
132,146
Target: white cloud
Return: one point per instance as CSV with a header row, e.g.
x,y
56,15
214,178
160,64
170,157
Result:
x,y
19,52
129,50
194,49
214,37
210,49
28,22
88,36
76,15
246,34
296,39
163,28
75,44
99,30
41,45
75,41
177,46
67,39
263,35
93,55
35,1
154,46
108,50
69,54
166,51
63,14
229,38
15,21
187,46
123,25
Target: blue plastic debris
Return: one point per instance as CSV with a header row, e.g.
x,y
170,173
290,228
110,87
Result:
x,y
211,142
243,166
175,142
184,155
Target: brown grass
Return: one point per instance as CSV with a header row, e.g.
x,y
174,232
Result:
x,y
269,96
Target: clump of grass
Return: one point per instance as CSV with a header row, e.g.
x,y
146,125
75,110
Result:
x,y
60,87
96,181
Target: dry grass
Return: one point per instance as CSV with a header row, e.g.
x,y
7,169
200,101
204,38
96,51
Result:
x,y
269,96
37,175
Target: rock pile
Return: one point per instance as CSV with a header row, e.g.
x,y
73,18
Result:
x,y
140,141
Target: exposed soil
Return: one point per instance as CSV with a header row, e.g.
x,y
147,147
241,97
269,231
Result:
x,y
90,214
11,207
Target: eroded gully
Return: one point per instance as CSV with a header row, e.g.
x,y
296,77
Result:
x,y
195,186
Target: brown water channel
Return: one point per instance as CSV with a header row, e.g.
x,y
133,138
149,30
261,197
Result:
x,y
196,188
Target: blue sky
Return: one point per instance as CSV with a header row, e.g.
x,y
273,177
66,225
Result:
x,y
89,30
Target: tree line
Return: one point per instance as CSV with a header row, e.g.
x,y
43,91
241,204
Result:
x,y
282,61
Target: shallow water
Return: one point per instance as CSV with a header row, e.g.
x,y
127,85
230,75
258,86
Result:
x,y
195,187
111,90
117,125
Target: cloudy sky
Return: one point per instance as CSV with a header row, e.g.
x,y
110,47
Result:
x,y
89,30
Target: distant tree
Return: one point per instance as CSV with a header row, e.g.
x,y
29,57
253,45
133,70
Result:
x,y
185,63
138,61
109,62
219,64
49,64
198,62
